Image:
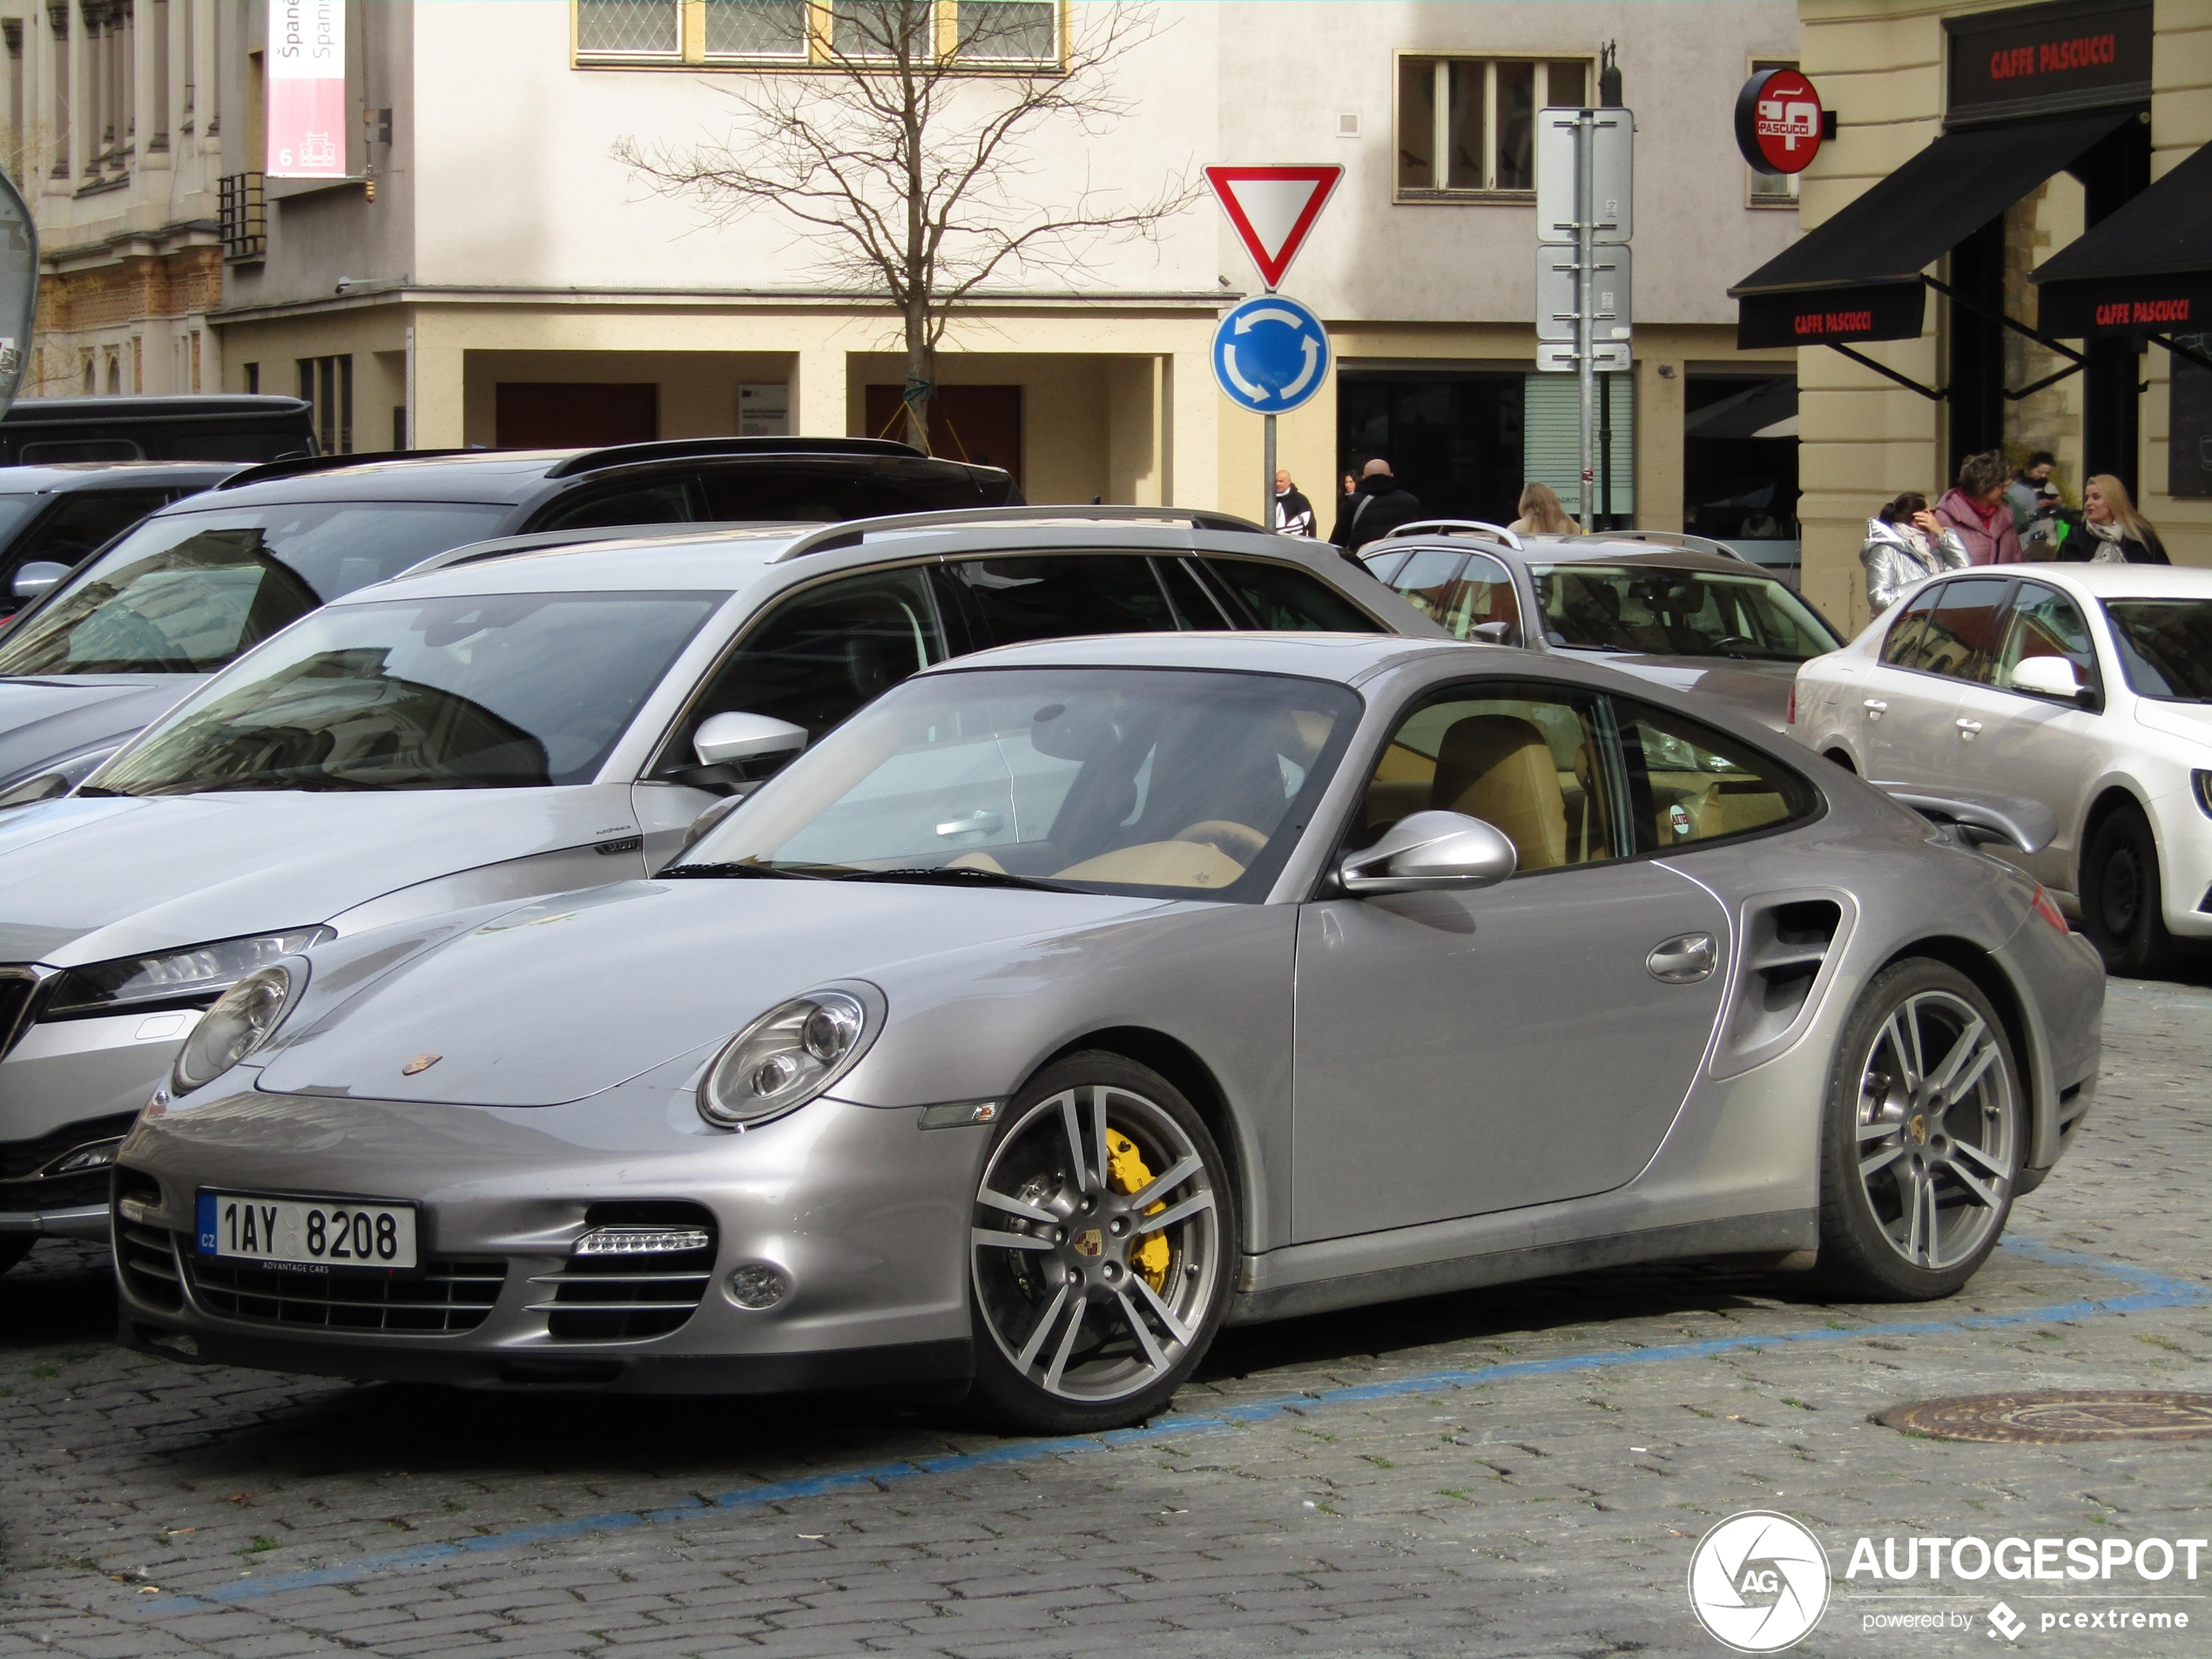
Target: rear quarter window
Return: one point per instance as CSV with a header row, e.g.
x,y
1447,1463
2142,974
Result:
x,y
1283,598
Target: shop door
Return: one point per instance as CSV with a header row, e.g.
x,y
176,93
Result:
x,y
562,415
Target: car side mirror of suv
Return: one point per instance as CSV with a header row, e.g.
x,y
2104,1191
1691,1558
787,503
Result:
x,y
35,577
737,736
2048,677
1491,633
1426,851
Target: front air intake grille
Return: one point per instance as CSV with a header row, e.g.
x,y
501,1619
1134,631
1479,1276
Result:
x,y
445,1297
624,1298
145,1259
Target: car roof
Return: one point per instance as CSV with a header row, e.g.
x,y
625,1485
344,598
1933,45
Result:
x,y
1560,549
2116,581
63,477
37,411
723,557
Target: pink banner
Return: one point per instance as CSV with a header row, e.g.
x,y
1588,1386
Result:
x,y
306,89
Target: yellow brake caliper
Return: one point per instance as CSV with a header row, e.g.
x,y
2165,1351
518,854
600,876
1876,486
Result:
x,y
1129,1174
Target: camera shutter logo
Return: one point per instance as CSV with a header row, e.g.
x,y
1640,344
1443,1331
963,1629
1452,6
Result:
x,y
1758,1582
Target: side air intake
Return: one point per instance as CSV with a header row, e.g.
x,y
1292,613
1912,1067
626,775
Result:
x,y
1788,944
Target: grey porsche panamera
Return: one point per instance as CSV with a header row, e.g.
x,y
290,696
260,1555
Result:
x,y
1074,999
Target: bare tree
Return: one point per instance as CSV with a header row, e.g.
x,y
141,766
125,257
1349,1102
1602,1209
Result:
x,y
909,158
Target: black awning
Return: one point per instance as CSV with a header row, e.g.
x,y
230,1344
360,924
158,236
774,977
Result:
x,y
2146,269
1857,277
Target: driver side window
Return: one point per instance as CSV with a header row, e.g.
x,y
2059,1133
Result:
x,y
1528,760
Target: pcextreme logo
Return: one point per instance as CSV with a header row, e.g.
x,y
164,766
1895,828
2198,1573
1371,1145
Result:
x,y
1758,1582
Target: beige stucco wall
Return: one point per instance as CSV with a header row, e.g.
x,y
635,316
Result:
x,y
1879,64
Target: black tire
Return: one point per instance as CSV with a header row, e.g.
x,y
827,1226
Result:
x,y
14,1247
1084,1271
2121,897
1962,1148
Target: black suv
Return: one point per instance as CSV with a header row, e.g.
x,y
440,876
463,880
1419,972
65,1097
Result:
x,y
129,633
51,517
240,427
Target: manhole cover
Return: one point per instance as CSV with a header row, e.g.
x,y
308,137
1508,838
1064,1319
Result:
x,y
2054,1418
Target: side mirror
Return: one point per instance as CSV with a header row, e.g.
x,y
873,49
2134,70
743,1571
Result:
x,y
35,577
735,736
1426,851
1491,633
2048,676
706,820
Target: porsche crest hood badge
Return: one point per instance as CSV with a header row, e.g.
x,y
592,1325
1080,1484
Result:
x,y
420,1062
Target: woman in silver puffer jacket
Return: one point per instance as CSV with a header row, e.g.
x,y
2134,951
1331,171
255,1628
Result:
x,y
1906,545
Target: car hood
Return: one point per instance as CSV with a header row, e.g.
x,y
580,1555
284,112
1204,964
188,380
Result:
x,y
42,721
2192,722
87,880
1759,689
570,996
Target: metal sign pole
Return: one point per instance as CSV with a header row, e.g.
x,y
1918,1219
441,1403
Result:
x,y
1586,299
1267,513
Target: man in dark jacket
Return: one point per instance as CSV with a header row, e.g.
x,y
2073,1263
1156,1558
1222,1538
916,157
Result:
x,y
1380,506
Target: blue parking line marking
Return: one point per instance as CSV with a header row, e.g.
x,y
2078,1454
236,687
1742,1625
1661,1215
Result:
x,y
2150,1290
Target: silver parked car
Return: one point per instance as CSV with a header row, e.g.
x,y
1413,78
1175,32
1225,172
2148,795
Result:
x,y
1074,999
1676,610
508,726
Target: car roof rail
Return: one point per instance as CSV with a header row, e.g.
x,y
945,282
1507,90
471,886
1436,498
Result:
x,y
624,455
293,466
1681,539
499,547
1455,527
855,531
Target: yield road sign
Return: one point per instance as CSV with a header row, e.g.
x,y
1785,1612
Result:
x,y
1272,208
1271,354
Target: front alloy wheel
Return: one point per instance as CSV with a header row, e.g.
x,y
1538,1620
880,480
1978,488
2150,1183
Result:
x,y
2121,903
1100,1249
1925,1134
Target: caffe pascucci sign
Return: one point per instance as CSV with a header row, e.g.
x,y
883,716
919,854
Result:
x,y
2047,60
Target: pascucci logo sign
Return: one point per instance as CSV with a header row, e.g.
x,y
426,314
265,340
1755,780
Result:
x,y
1758,1582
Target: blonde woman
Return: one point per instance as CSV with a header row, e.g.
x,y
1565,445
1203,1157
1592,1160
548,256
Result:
x,y
2112,532
1541,515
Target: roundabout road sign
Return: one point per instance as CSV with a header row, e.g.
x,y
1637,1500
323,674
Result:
x,y
1271,354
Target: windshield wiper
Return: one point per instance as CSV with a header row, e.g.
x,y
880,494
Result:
x,y
946,872
97,790
723,872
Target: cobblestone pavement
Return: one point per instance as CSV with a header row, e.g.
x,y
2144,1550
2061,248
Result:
x,y
1506,1472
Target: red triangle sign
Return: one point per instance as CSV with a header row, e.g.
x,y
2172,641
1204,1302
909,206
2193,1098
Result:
x,y
1272,208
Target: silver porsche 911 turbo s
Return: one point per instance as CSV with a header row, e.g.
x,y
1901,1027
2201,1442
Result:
x,y
1076,997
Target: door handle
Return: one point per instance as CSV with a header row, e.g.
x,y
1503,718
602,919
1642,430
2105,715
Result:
x,y
1684,960
1967,728
1875,708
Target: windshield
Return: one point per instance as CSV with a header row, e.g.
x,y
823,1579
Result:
x,y
1102,780
1650,609
510,691
2165,647
13,510
185,593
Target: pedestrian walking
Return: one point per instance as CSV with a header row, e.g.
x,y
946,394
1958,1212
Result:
x,y
1975,507
1906,545
2112,531
1380,506
1294,513
2030,485
1540,513
1345,496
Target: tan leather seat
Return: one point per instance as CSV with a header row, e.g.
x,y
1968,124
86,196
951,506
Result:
x,y
1497,767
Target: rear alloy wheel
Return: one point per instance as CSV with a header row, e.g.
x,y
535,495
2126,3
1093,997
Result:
x,y
1924,1132
1100,1252
2122,900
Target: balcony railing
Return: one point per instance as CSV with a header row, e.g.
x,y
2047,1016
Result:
x,y
244,219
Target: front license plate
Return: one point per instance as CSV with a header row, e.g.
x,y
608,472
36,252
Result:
x,y
306,1232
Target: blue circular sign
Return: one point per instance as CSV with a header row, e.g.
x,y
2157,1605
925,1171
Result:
x,y
1271,354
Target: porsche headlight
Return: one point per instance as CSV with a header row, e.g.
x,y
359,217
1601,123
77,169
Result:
x,y
240,1022
189,978
787,1057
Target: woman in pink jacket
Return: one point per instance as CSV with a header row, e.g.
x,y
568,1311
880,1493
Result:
x,y
1976,508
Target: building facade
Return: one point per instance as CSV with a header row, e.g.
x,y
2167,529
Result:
x,y
486,271
2097,100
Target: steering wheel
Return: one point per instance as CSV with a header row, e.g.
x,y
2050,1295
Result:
x,y
1231,839
1726,640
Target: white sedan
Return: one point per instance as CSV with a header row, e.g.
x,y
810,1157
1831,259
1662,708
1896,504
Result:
x,y
2085,687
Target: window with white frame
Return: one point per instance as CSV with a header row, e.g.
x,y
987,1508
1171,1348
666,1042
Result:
x,y
1772,189
773,34
1467,125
